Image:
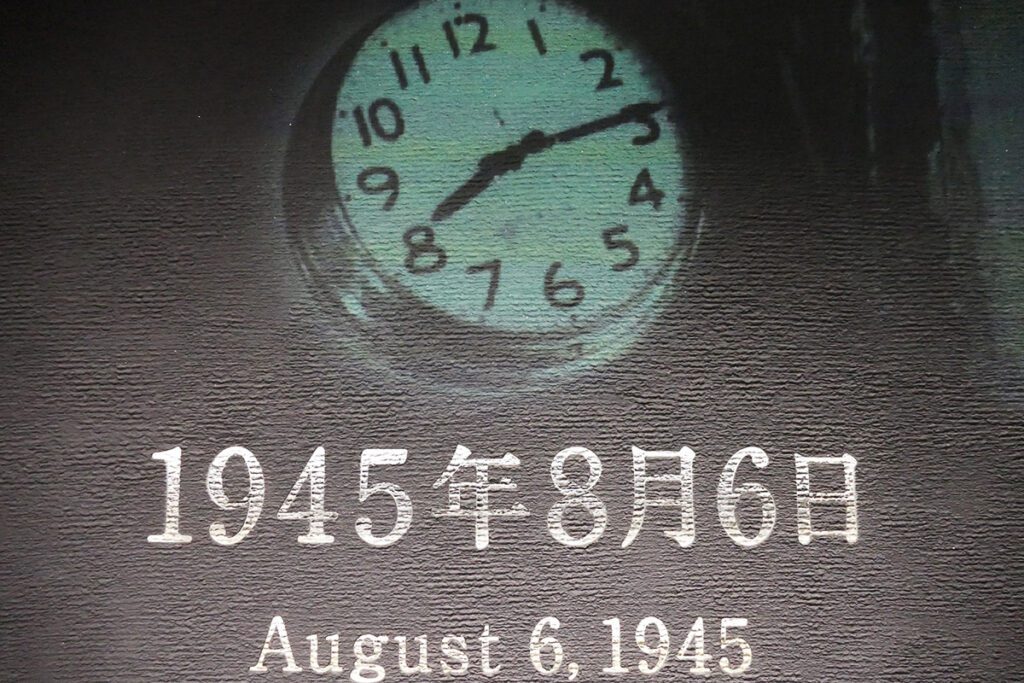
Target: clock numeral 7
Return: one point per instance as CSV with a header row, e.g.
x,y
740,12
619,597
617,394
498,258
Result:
x,y
389,132
480,45
492,288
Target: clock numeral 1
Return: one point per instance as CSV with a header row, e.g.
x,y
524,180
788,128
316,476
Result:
x,y
388,133
553,289
538,39
482,28
421,66
492,288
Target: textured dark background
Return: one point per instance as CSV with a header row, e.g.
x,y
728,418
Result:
x,y
853,295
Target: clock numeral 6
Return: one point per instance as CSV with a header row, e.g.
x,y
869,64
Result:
x,y
389,184
480,45
422,248
390,132
613,241
553,289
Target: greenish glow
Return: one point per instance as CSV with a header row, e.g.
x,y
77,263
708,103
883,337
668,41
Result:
x,y
552,209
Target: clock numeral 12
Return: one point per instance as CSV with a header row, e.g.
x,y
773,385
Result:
x,y
479,45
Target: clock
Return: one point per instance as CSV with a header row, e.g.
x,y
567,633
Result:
x,y
502,192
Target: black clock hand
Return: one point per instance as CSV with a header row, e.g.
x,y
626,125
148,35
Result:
x,y
511,158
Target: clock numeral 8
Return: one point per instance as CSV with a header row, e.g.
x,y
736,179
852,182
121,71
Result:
x,y
388,133
422,248
553,288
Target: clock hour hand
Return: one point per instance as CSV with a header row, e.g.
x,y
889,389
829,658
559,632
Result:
x,y
512,157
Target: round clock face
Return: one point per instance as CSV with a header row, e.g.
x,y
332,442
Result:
x,y
511,164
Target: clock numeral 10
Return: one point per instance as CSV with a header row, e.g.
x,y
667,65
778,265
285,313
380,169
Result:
x,y
389,131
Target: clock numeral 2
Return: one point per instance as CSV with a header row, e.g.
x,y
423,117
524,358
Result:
x,y
479,45
608,79
423,248
388,133
554,289
492,288
421,66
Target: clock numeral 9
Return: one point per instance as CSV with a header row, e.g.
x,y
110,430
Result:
x,y
423,248
389,184
388,133
480,45
553,289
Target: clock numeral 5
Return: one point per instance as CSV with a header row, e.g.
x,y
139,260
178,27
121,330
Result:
x,y
420,241
553,289
390,132
613,241
480,45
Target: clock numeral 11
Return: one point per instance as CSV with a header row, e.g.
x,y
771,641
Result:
x,y
421,66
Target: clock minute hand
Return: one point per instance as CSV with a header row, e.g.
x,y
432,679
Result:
x,y
512,157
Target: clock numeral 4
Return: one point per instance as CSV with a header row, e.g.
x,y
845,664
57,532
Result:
x,y
389,128
643,190
482,28
555,290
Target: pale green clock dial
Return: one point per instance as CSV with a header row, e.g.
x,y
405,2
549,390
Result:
x,y
510,164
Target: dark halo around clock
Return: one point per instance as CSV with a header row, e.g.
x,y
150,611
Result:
x,y
390,328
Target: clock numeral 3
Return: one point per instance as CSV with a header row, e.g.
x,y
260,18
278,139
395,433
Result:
x,y
492,288
479,45
608,79
613,241
423,248
553,289
388,133
643,190
389,184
